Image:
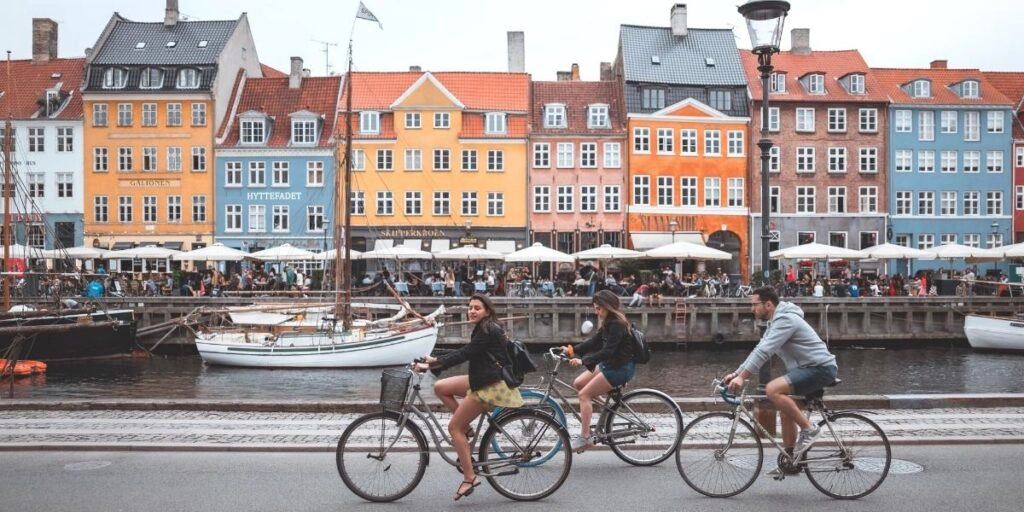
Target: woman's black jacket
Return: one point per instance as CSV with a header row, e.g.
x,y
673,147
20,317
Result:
x,y
488,338
611,345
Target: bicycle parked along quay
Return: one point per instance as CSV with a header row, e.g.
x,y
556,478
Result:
x,y
721,454
382,456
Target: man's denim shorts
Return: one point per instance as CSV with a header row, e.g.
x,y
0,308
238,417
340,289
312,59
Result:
x,y
809,379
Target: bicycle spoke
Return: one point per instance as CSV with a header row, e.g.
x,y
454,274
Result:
x,y
380,459
516,455
713,465
851,457
644,428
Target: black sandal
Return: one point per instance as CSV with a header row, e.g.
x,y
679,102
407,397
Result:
x,y
472,485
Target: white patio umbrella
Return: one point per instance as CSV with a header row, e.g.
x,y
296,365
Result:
x,y
81,252
283,252
893,251
147,252
1009,251
537,253
398,252
816,251
331,254
607,252
958,251
215,252
469,253
687,251
22,251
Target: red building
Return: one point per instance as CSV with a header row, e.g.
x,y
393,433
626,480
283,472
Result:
x,y
1011,84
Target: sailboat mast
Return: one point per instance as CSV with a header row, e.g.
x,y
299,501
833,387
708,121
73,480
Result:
x,y
343,267
7,190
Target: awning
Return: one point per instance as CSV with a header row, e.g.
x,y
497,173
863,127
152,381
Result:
x,y
440,245
644,241
120,246
383,243
173,245
413,243
502,246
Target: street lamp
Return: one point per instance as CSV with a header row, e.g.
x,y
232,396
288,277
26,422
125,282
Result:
x,y
672,226
764,22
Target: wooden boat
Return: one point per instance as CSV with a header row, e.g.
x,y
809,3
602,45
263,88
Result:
x,y
994,333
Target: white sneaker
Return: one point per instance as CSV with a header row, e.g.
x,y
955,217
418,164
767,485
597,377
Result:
x,y
805,440
580,443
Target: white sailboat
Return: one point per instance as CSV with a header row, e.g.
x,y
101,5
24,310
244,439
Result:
x,y
994,333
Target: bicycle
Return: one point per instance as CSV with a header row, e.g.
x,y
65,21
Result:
x,y
743,290
642,427
382,456
851,449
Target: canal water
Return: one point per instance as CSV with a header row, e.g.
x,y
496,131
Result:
x,y
680,374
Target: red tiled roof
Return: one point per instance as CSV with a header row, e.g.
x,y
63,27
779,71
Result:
x,y
269,72
1011,84
273,97
28,82
833,64
576,96
502,92
892,79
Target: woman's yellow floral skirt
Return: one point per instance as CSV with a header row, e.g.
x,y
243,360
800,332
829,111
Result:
x,y
497,395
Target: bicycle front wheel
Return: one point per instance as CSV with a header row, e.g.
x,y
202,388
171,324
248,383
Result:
x,y
719,455
850,458
534,400
523,437
644,427
380,458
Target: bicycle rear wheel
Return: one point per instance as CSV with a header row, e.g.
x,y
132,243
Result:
x,y
524,436
644,427
716,460
850,458
381,459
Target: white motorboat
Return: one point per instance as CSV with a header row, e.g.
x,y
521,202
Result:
x,y
994,333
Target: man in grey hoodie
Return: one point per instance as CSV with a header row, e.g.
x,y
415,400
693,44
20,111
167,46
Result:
x,y
809,364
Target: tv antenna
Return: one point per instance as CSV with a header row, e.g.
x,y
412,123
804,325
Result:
x,y
327,56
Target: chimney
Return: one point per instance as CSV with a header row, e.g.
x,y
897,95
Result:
x,y
679,20
44,40
171,13
415,69
575,72
939,64
606,71
516,52
295,76
563,76
800,41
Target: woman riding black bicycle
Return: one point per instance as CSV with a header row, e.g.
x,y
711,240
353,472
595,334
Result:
x,y
483,389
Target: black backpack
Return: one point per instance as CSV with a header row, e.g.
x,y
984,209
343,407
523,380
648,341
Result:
x,y
520,363
641,349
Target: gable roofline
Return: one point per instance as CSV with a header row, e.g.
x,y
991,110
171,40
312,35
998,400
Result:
x,y
236,99
104,35
690,102
427,76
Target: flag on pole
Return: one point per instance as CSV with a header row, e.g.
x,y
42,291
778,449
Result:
x,y
365,14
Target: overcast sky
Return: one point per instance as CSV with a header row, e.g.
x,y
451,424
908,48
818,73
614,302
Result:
x,y
469,35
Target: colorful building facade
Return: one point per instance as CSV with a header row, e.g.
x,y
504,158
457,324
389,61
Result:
x,y
1011,84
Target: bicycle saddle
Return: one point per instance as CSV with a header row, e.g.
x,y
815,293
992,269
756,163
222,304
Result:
x,y
817,395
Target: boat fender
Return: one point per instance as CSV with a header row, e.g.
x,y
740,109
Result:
x,y
718,338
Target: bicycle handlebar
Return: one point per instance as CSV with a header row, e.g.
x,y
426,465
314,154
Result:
x,y
557,353
719,387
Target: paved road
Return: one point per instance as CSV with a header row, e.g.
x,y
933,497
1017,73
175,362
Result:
x,y
960,478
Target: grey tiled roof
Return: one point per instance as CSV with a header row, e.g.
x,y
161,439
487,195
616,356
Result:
x,y
682,59
119,48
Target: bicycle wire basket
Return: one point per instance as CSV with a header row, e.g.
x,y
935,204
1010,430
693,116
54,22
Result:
x,y
394,388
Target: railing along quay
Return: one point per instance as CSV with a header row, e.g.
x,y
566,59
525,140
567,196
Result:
x,y
876,320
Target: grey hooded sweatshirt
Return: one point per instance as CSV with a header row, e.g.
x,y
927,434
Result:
x,y
792,339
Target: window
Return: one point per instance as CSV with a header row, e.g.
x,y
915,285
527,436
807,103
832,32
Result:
x,y
253,131
972,240
588,155
948,162
442,204
922,89
868,120
904,121
904,160
385,204
948,121
151,78
65,139
99,209
173,114
542,154
99,114
99,160
588,198
969,89
257,174
233,218
188,78
36,140
972,203
720,100
925,241
926,202
735,143
148,209
385,160
257,218
414,203
412,120
564,155
995,240
174,159
357,203
994,161
947,238
735,192
774,195
613,155
358,160
233,174
805,159
369,122
902,240
777,82
712,191
115,78
442,160
666,136
542,199
972,161
712,142
198,159
856,84
124,209
315,173
652,99
837,120
315,218
806,237
1020,157
597,116
442,120
947,203
36,184
687,141
816,84
837,199
124,114
867,200
413,160
641,140
903,202
972,126
495,122
665,191
642,190
926,161
836,159
805,119
495,204
495,160
149,159
468,159
1019,203
805,199
994,121
926,125
868,160
149,114
554,116
469,204
774,159
199,210
993,203
303,131
125,160
65,185
612,201
281,174
565,198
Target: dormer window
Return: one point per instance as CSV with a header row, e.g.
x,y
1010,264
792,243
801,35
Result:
x,y
254,130
922,89
188,78
554,115
777,83
969,89
369,122
495,122
304,131
857,84
115,78
140,45
597,117
151,78
816,84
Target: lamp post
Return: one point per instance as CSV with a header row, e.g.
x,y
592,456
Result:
x,y
764,22
672,226
995,233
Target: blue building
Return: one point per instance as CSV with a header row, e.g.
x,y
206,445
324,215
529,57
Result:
x,y
950,160
276,162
